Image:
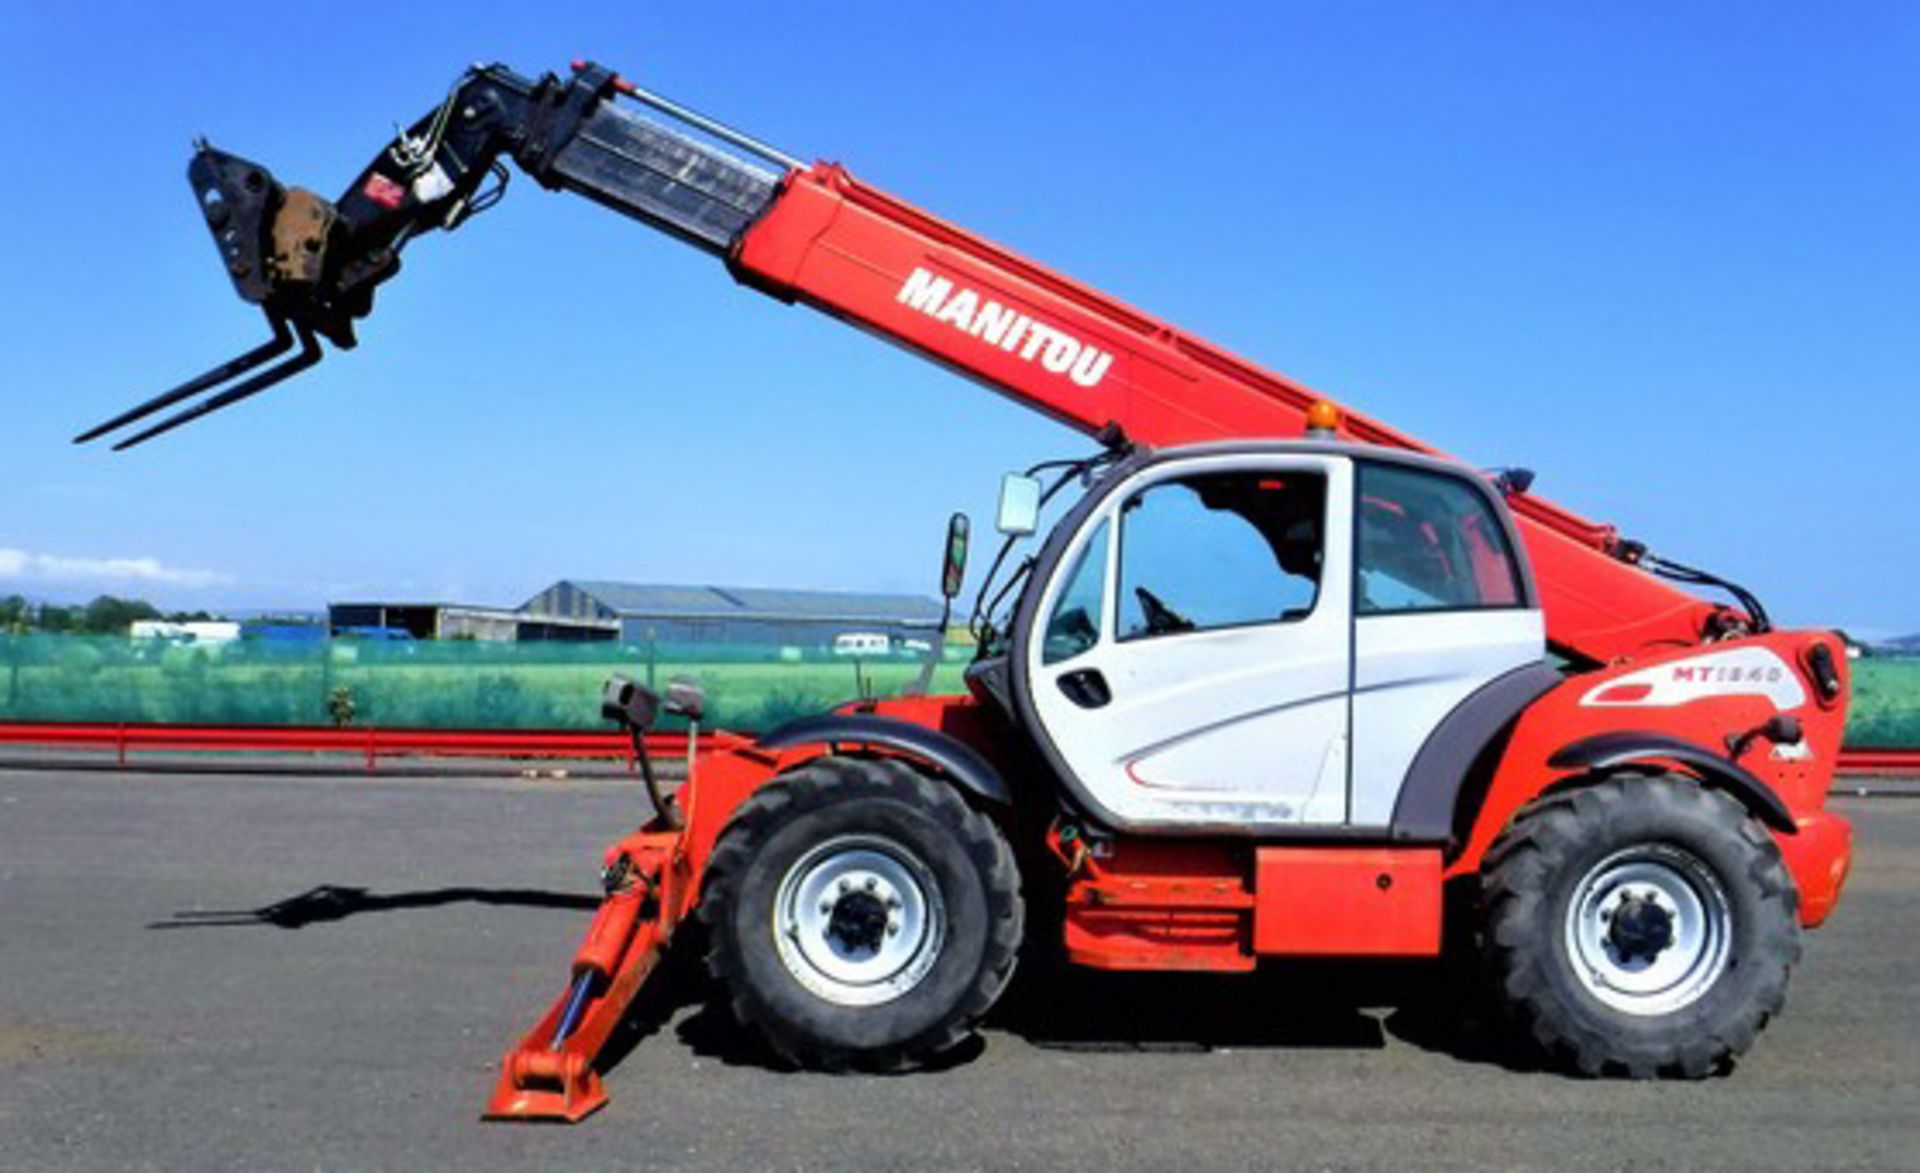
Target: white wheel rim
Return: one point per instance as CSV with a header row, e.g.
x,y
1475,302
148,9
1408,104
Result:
x,y
1649,930
858,920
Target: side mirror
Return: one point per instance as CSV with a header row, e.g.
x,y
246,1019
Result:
x,y
954,571
1019,505
629,702
685,698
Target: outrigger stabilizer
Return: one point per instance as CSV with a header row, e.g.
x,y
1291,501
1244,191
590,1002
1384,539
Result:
x,y
650,880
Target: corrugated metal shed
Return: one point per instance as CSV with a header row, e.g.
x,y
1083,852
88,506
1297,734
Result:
x,y
736,614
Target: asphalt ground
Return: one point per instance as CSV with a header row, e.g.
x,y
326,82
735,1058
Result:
x,y
292,972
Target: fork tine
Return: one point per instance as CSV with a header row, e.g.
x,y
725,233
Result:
x,y
310,354
279,344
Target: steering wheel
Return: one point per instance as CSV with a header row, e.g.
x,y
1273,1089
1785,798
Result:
x,y
1161,619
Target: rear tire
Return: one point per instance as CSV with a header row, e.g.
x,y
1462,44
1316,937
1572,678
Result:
x,y
1642,925
861,914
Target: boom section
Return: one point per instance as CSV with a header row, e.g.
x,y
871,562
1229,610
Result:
x,y
1087,360
818,236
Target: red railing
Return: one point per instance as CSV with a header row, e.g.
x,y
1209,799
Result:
x,y
372,744
1880,761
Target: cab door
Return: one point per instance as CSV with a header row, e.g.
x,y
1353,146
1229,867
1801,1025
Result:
x,y
1190,662
1442,606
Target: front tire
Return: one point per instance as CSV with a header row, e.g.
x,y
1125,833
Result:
x,y
861,914
1640,925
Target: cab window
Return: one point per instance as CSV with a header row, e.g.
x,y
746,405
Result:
x,y
1429,542
1221,550
1074,625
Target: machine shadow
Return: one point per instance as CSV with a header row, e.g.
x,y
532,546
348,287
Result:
x,y
1051,1005
330,902
1301,1005
1435,1006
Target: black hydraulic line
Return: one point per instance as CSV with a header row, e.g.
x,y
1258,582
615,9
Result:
x,y
1680,572
1074,467
667,815
1013,580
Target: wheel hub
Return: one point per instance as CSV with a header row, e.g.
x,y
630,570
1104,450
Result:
x,y
858,920
1649,930
1640,928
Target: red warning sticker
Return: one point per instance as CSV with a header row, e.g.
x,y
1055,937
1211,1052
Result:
x,y
384,191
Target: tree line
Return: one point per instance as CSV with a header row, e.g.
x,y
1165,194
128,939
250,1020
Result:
x,y
105,615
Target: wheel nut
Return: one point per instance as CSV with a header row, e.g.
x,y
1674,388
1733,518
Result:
x,y
872,883
893,902
826,906
846,886
893,928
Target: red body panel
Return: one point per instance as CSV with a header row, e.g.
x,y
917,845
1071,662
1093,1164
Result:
x,y
1158,905
850,250
1347,901
1818,854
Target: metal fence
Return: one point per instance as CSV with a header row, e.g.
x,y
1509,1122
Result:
x,y
425,684
474,684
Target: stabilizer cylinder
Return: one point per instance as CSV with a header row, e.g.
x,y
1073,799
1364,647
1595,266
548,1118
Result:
x,y
550,1075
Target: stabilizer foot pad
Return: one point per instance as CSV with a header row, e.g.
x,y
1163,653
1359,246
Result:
x,y
546,1085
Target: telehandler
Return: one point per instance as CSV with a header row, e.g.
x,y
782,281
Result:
x,y
1279,681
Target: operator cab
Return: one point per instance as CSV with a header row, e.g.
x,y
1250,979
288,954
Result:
x,y
1258,637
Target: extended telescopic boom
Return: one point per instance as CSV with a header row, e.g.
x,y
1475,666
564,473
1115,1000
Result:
x,y
819,236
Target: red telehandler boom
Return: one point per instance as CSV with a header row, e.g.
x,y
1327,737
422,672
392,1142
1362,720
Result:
x,y
1312,701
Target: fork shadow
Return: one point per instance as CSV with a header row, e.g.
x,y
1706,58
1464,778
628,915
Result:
x,y
331,902
1049,1005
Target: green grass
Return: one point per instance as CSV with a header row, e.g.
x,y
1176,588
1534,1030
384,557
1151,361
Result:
x,y
1885,710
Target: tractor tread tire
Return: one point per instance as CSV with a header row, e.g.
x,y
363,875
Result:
x,y
811,1032
1528,879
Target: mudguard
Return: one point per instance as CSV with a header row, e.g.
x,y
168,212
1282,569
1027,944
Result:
x,y
950,755
1607,751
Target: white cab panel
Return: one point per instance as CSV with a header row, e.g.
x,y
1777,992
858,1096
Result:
x,y
1410,670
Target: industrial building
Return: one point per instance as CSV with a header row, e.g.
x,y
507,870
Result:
x,y
634,613
735,615
459,621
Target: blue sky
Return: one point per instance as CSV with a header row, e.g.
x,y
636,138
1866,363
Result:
x,y
1666,255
